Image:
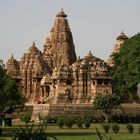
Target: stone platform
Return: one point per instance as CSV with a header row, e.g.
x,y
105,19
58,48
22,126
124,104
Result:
x,y
76,110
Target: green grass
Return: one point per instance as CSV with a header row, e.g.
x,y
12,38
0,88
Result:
x,y
79,134
94,137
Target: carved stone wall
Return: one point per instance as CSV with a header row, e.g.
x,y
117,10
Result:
x,y
12,67
55,76
59,47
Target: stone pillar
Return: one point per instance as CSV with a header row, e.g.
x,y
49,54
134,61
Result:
x,y
36,89
29,83
24,82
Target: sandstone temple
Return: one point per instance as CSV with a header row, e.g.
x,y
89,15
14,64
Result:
x,y
56,76
119,41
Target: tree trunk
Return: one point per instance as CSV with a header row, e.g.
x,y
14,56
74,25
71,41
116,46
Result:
x,y
107,117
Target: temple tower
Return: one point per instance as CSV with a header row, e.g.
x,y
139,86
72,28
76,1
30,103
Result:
x,y
118,44
12,67
32,69
91,78
59,47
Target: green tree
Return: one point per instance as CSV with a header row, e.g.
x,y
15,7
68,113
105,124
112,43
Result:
x,y
126,70
10,96
25,117
106,104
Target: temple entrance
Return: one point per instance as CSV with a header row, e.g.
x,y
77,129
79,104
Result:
x,y
47,90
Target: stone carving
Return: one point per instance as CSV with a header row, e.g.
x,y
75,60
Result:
x,y
55,76
12,67
59,47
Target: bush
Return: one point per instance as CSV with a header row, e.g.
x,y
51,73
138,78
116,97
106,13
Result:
x,y
69,121
54,119
115,128
79,122
126,119
98,119
0,131
87,121
31,133
139,129
137,119
51,119
45,120
115,118
60,122
106,127
130,128
25,117
122,119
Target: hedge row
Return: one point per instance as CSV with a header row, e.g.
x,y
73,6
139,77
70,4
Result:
x,y
101,119
115,127
69,121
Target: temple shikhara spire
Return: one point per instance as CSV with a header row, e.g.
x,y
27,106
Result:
x,y
59,47
56,76
117,46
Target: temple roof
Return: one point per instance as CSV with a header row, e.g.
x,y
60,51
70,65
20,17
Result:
x,y
61,14
122,36
59,47
33,60
12,66
93,63
33,48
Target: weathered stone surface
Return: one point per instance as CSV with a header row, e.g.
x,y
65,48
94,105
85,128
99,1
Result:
x,y
32,69
117,46
59,47
55,76
12,67
132,109
90,78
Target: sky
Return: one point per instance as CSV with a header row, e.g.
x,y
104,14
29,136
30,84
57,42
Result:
x,y
95,24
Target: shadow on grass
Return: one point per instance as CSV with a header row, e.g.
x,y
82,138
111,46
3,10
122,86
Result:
x,y
8,134
71,133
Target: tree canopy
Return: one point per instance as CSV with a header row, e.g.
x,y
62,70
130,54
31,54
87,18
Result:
x,y
126,69
10,96
106,104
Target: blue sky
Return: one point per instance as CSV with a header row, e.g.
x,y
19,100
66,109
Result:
x,y
95,24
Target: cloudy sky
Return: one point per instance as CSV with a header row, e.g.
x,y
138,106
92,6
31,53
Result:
x,y
95,24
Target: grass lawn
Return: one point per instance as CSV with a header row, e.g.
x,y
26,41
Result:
x,y
79,134
94,137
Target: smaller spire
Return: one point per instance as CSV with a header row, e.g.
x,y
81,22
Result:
x,y
61,14
90,53
12,56
122,36
32,48
122,33
33,43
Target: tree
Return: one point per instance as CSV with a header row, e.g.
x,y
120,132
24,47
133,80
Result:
x,y
106,104
10,96
126,70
